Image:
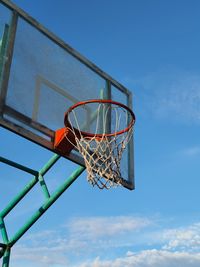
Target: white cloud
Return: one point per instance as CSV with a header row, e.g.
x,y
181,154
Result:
x,y
192,151
78,238
95,227
171,94
39,256
187,238
148,258
89,241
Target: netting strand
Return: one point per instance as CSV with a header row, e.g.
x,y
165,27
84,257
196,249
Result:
x,y
102,155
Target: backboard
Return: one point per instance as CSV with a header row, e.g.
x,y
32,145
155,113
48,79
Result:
x,y
41,77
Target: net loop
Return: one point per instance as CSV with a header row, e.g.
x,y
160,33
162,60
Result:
x,y
102,150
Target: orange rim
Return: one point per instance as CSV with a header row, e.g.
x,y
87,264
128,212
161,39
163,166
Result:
x,y
90,135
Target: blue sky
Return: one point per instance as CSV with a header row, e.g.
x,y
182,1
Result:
x,y
152,47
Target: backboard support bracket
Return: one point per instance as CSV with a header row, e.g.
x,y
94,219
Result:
x,y
9,242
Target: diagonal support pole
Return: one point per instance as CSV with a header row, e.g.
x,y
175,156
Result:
x,y
6,258
46,205
49,200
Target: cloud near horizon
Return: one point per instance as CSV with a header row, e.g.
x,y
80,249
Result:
x,y
133,241
148,258
96,227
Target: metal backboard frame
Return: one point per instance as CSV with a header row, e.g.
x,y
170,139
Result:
x,y
28,125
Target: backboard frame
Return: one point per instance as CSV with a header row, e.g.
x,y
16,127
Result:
x,y
28,134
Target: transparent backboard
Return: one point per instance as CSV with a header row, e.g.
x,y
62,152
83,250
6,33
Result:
x,y
41,77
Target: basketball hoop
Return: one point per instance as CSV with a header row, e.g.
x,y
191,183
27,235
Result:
x,y
112,124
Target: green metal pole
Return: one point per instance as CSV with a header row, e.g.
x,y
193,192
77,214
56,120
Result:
x,y
6,258
44,186
49,164
49,200
46,205
44,170
18,166
6,255
30,185
18,197
3,231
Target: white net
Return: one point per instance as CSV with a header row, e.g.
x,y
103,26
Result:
x,y
102,151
